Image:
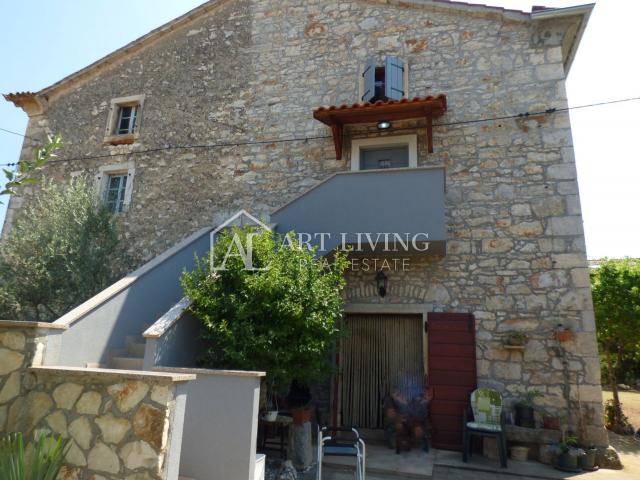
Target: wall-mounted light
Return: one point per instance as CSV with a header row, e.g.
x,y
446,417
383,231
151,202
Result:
x,y
382,282
384,125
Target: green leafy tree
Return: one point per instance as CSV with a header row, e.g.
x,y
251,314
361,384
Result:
x,y
27,169
62,249
281,317
615,286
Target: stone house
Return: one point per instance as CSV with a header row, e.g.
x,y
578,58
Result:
x,y
352,117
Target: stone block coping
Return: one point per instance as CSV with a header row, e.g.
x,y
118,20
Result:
x,y
24,324
174,377
166,321
210,372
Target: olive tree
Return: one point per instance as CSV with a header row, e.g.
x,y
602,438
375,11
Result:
x,y
615,286
280,315
26,170
62,249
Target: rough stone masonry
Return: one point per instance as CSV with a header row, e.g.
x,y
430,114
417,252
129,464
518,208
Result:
x,y
254,70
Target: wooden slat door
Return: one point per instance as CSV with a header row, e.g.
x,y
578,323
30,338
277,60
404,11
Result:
x,y
452,374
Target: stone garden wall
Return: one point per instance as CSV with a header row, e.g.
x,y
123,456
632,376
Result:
x,y
120,424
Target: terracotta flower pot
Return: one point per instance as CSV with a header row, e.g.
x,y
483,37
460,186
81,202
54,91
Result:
x,y
551,423
563,335
301,415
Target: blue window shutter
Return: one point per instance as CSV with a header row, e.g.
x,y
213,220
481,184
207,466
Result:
x,y
369,75
394,78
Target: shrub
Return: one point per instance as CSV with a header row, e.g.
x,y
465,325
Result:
x,y
611,420
282,319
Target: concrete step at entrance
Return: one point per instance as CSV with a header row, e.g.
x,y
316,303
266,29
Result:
x,y
127,363
134,346
385,464
335,473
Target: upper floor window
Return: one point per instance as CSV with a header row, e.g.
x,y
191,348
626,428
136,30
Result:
x,y
389,81
127,119
116,188
123,125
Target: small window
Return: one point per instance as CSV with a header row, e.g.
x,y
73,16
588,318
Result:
x,y
123,126
383,83
398,151
115,193
384,157
127,119
114,185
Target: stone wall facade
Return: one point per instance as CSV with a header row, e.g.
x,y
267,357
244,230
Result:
x,y
254,70
119,424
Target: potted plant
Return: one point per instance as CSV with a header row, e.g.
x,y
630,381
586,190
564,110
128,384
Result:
x,y
587,461
299,401
524,409
515,339
271,413
568,454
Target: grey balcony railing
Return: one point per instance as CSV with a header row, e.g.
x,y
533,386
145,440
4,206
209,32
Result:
x,y
406,203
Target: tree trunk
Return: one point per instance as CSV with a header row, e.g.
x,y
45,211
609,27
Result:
x,y
613,382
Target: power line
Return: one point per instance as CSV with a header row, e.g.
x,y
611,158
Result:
x,y
19,134
549,111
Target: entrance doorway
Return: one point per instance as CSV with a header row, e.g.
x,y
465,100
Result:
x,y
379,353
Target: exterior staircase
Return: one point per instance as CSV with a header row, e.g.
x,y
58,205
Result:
x,y
129,358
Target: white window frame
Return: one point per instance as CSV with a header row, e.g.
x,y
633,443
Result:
x,y
405,80
111,133
102,181
358,144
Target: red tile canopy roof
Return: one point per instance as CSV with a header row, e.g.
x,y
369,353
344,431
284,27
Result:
x,y
337,117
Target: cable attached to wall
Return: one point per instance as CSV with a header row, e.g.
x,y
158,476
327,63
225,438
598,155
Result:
x,y
548,111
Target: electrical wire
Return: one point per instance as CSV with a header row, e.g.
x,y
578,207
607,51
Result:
x,y
548,111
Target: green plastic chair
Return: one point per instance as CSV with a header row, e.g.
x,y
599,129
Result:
x,y
488,421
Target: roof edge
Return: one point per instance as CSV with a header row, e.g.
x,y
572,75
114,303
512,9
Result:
x,y
30,102
134,45
579,10
37,101
43,95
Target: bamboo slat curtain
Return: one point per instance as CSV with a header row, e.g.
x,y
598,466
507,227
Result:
x,y
380,352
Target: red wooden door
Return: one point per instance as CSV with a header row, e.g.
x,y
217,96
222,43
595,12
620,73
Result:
x,y
452,374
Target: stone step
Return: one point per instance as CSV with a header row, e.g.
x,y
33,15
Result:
x,y
127,363
134,347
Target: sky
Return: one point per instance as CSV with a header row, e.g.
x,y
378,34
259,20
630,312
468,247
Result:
x,y
39,46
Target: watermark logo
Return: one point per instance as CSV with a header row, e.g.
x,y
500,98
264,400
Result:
x,y
237,248
241,246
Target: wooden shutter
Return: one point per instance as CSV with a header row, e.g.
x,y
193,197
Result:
x,y
394,78
452,374
369,76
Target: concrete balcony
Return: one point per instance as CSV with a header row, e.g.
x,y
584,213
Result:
x,y
376,209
